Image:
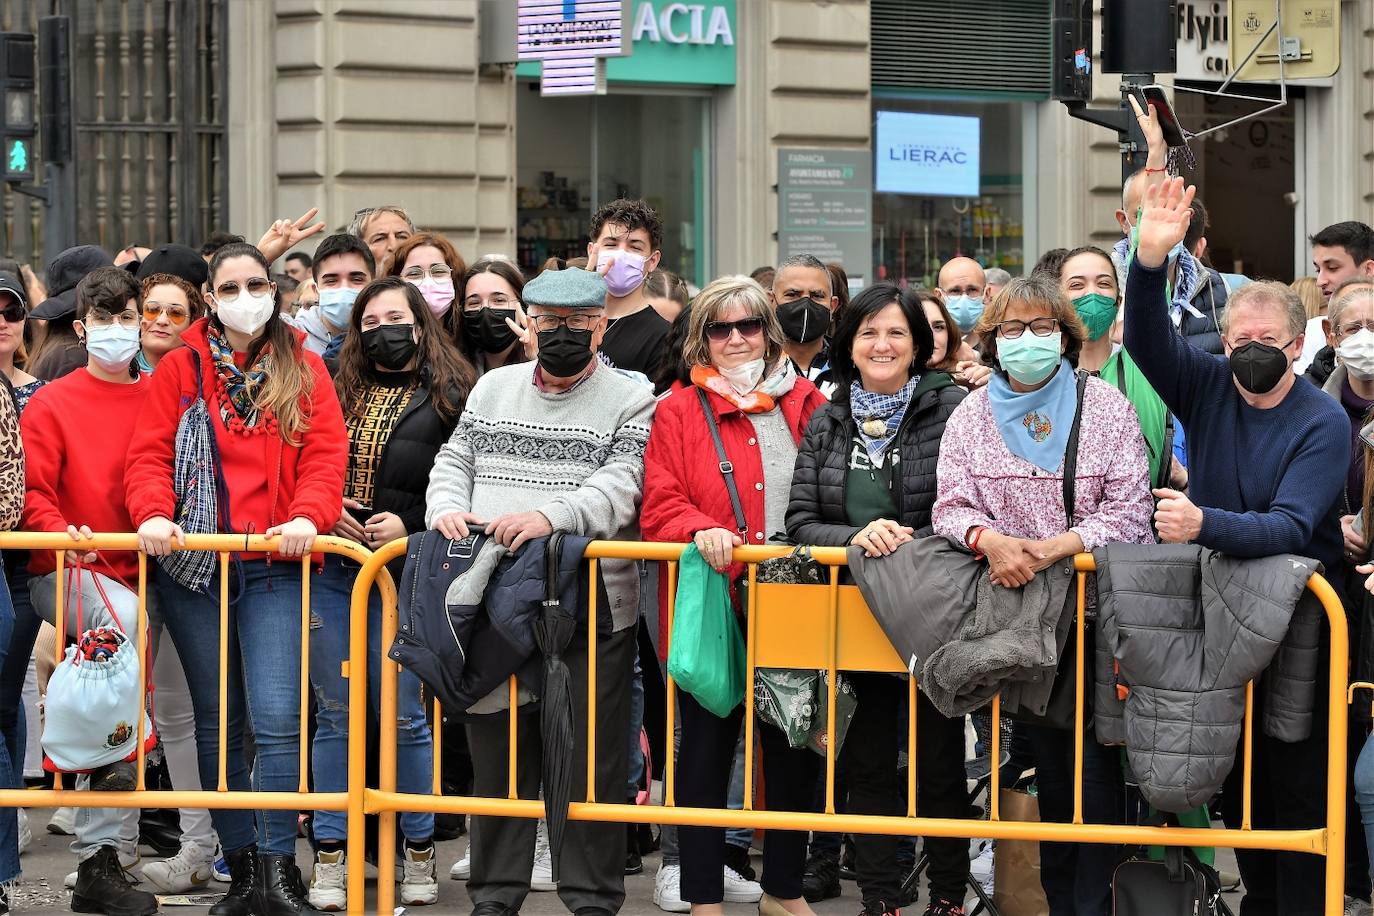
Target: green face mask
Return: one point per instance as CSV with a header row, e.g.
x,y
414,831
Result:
x,y
1098,311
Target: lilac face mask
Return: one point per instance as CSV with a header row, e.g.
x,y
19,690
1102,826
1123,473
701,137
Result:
x,y
626,274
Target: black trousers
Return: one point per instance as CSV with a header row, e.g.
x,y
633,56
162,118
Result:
x,y
1289,792
592,867
703,780
870,760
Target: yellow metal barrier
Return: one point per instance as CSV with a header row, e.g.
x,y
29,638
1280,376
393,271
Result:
x,y
350,801
797,626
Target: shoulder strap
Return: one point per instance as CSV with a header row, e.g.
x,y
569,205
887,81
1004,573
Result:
x,y
727,470
1071,450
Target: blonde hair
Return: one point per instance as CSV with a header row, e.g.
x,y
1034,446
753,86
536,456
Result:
x,y
1311,295
712,301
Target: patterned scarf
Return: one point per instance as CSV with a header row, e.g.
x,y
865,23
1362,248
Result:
x,y
762,399
236,388
868,408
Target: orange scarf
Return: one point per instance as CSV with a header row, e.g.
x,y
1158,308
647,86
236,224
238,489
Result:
x,y
753,402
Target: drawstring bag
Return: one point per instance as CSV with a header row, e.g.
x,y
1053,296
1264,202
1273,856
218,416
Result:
x,y
199,488
95,697
706,652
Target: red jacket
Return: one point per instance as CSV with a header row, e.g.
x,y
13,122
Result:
x,y
684,491
269,482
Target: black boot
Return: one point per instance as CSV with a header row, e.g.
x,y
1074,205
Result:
x,y
281,892
821,880
102,887
243,880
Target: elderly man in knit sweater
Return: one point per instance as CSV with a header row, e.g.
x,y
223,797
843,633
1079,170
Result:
x,y
554,445
1269,455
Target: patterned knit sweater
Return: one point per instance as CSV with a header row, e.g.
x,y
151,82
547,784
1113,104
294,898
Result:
x,y
577,456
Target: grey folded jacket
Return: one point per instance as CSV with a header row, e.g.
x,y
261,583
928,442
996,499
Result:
x,y
1188,628
964,638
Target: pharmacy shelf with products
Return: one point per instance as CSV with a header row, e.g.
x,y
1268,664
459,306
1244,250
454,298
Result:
x,y
914,236
552,218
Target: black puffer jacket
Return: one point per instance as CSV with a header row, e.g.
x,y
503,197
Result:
x,y
403,471
1204,332
816,511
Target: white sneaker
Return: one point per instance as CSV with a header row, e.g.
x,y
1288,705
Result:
x,y
541,876
63,822
25,834
668,890
329,882
738,890
420,886
981,866
189,870
462,869
127,861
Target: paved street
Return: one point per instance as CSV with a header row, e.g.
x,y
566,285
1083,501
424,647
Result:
x,y
48,860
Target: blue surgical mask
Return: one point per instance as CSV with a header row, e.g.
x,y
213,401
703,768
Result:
x,y
965,310
336,305
1029,359
1175,251
112,347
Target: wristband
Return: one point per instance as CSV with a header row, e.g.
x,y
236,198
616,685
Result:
x,y
1150,171
973,541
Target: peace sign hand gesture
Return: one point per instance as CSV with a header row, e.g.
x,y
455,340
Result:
x,y
285,234
1165,216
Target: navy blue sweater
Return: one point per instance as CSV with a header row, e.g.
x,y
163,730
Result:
x,y
1268,481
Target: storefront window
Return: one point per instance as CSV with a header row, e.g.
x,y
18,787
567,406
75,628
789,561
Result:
x,y
954,188
577,153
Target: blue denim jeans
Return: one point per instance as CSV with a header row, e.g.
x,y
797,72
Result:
x,y
264,658
1364,791
331,593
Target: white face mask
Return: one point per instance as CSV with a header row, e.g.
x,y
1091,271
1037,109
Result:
x,y
1357,354
247,314
744,378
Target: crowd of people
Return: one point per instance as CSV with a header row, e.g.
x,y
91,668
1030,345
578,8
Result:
x,y
384,386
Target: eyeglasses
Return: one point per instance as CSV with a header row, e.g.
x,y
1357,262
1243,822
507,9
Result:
x,y
13,313
582,321
176,314
721,330
229,291
99,318
1348,328
417,273
494,301
1040,327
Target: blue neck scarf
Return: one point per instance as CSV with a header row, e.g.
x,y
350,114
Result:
x,y
1035,424
865,405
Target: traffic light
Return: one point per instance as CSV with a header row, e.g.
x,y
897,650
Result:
x,y
1072,24
19,122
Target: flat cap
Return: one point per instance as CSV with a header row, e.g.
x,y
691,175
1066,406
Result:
x,y
567,289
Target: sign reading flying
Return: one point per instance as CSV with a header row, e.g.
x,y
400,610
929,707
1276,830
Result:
x,y
927,154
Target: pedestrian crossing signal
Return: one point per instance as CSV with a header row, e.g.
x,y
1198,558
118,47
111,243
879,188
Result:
x,y
18,159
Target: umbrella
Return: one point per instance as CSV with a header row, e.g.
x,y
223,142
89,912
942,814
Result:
x,y
552,632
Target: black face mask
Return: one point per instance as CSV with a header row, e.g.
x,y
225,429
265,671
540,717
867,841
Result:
x,y
1258,367
803,320
486,329
563,352
391,346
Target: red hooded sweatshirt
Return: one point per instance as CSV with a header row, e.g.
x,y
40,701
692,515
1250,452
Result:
x,y
269,481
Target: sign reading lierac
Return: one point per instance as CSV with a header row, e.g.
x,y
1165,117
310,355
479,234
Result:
x,y
669,42
825,208
572,39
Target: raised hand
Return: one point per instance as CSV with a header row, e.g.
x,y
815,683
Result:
x,y
1164,220
285,234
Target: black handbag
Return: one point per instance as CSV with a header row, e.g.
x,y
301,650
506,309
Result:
x,y
1059,711
1180,885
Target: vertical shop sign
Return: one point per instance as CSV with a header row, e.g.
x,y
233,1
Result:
x,y
825,208
572,39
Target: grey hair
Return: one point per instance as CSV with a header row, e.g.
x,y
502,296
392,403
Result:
x,y
1346,295
996,276
808,261
366,214
1126,188
1270,293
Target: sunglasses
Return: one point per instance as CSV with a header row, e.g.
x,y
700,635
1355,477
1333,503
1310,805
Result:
x,y
14,313
176,314
721,330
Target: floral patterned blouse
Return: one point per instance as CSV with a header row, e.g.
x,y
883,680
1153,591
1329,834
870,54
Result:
x,y
982,483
